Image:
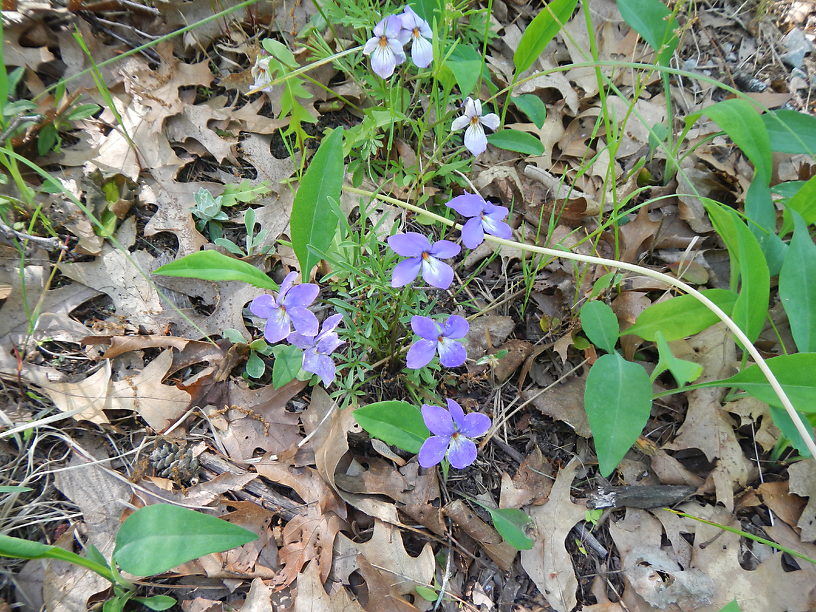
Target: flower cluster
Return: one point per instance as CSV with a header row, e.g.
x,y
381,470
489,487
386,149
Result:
x,y
392,34
290,309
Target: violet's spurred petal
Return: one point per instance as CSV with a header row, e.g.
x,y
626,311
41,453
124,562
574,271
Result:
x,y
475,139
277,327
452,354
406,271
432,451
470,108
425,327
321,365
474,425
301,295
421,52
383,61
497,228
303,320
420,354
455,327
477,107
438,420
459,123
263,306
436,273
286,285
467,204
473,233
456,412
444,249
461,452
409,244
491,120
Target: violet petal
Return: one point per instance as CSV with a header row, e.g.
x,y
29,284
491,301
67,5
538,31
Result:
x,y
263,306
420,354
436,273
425,327
406,271
433,451
409,244
461,452
303,320
455,327
473,233
452,354
467,204
474,425
438,420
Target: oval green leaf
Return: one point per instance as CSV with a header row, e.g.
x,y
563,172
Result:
x,y
600,325
514,140
541,31
797,286
510,524
158,538
394,422
312,222
617,400
681,316
653,21
790,131
533,107
215,266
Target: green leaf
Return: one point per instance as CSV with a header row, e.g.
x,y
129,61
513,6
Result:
x,y
617,400
116,603
14,489
751,306
255,366
510,524
600,325
83,111
514,140
312,223
784,423
655,23
794,372
541,31
394,422
18,548
683,371
427,593
234,336
215,266
158,538
288,360
790,131
797,286
465,63
681,316
156,602
532,106
804,201
732,606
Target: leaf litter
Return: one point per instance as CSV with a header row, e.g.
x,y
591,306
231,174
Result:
x,y
365,528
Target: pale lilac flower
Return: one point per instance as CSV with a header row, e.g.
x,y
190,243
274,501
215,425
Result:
x,y
435,339
422,256
485,217
289,309
385,47
421,35
260,72
317,350
452,430
475,139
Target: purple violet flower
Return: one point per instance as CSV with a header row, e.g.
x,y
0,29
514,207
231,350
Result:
x,y
422,256
385,47
475,139
452,430
421,35
289,309
485,217
317,350
435,339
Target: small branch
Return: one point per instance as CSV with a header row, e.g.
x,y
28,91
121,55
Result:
x,y
50,244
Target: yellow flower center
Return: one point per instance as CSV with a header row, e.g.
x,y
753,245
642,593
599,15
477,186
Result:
x,y
383,41
474,120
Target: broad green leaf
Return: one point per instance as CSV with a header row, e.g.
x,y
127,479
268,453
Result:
x,y
158,538
215,266
617,400
794,372
739,119
683,371
541,31
532,106
312,223
465,63
804,201
394,422
784,423
515,140
751,306
255,366
288,360
115,603
510,524
791,131
14,489
654,22
600,325
797,286
233,335
156,602
681,316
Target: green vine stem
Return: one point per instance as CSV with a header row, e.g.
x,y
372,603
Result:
x,y
611,263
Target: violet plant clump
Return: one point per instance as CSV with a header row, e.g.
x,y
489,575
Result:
x,y
289,309
452,431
